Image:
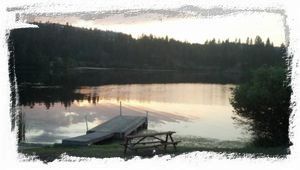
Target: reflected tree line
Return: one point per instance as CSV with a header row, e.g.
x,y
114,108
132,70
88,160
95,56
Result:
x,y
46,63
45,88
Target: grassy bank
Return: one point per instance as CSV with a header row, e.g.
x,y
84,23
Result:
x,y
48,153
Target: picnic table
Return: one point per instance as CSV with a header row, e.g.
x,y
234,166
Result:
x,y
141,141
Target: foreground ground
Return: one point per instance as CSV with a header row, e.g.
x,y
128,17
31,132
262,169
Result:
x,y
48,153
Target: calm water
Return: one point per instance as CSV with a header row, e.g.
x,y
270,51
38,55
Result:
x,y
191,109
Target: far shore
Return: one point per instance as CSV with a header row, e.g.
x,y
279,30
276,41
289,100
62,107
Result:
x,y
113,68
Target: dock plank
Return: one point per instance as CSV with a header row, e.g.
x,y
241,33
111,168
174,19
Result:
x,y
88,139
119,126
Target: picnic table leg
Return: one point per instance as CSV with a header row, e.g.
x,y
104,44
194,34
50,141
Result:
x,y
125,146
174,145
166,141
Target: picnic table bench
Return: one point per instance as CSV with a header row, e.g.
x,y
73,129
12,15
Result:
x,y
160,139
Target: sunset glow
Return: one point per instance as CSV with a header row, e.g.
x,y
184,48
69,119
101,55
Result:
x,y
191,29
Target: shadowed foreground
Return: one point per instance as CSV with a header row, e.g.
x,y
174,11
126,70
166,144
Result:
x,y
49,153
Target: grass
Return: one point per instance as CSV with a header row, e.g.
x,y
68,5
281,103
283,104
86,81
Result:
x,y
48,153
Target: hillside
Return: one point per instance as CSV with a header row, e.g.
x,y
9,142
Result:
x,y
54,46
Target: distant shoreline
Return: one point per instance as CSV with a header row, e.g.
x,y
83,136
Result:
x,y
114,68
84,68
115,75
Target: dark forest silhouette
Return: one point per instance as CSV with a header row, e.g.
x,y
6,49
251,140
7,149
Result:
x,y
53,46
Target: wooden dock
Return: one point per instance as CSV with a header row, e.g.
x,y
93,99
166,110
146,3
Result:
x,y
117,128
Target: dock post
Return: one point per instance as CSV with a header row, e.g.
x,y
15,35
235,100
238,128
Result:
x,y
120,108
146,120
86,123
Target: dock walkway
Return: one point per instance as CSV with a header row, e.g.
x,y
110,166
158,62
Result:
x,y
117,127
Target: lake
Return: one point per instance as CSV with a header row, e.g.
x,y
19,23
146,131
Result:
x,y
56,106
193,110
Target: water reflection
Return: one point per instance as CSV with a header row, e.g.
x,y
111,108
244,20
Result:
x,y
59,86
206,94
190,109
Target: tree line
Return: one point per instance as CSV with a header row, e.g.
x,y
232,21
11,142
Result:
x,y
55,46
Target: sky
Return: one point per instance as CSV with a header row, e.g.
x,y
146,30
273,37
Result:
x,y
193,28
